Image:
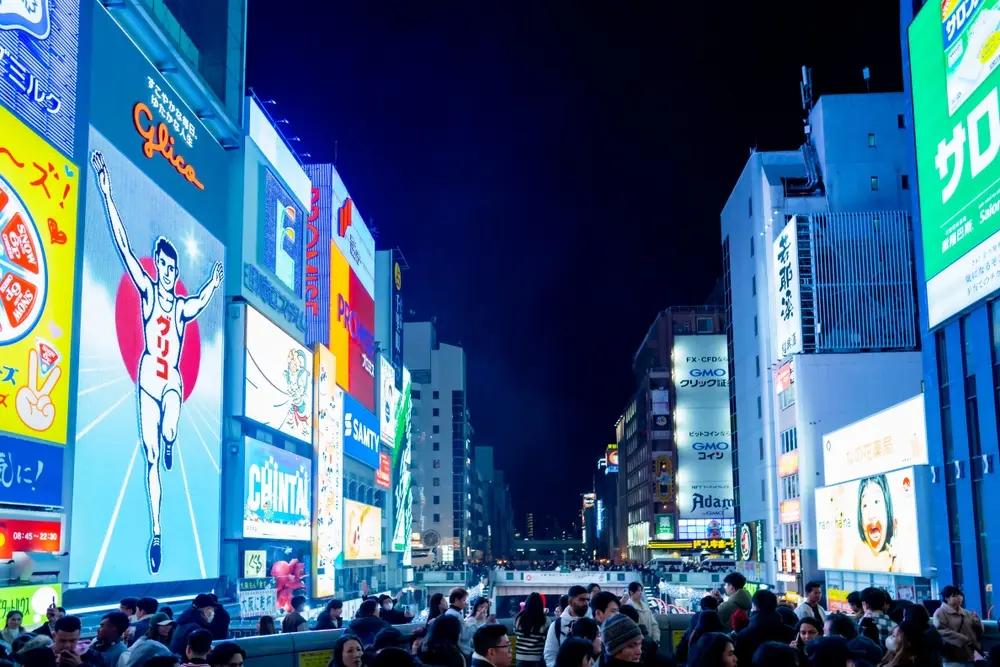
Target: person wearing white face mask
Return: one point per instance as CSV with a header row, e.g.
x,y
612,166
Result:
x,y
200,615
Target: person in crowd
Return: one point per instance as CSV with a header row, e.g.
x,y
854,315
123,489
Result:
x,y
387,637
592,590
367,623
331,617
229,654
441,646
830,652
787,613
646,618
773,654
491,647
765,626
219,625
160,631
713,650
906,648
587,628
961,630
650,649
529,630
347,652
604,605
622,641
28,642
129,607
458,604
65,640
740,620
839,625
869,630
811,604
479,614
110,642
168,611
574,652
437,605
932,637
738,597
854,602
37,657
874,601
199,645
12,630
578,606
265,626
393,656
806,630
563,604
52,614
295,621
144,608
708,621
198,616
389,613
708,603
417,640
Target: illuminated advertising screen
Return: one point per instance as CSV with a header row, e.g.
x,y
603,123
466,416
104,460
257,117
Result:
x,y
402,451
360,432
149,398
38,234
24,535
32,601
39,42
953,64
892,439
664,489
702,427
396,326
750,541
279,385
388,402
362,531
870,525
612,458
284,238
328,523
787,304
589,500
352,327
383,476
277,494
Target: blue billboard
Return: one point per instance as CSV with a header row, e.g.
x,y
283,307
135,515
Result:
x,y
283,233
30,473
277,493
361,432
39,41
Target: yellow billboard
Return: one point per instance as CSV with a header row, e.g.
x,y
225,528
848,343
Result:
x,y
362,531
38,195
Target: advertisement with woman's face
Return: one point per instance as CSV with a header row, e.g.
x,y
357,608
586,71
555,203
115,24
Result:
x,y
869,525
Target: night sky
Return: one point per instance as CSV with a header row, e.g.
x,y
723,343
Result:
x,y
553,173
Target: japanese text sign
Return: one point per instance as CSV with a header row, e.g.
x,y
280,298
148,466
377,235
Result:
x,y
258,597
786,289
39,41
254,563
383,476
38,198
29,535
32,601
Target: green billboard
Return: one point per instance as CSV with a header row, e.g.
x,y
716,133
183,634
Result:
x,y
954,54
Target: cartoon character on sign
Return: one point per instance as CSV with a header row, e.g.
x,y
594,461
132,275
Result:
x,y
165,316
297,379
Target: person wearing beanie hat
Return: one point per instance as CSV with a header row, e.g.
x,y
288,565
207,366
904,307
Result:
x,y
622,640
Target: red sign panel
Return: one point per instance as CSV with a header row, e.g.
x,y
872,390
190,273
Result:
x,y
383,476
783,378
29,535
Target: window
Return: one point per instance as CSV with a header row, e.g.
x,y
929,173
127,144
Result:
x,y
437,500
793,534
414,393
436,481
790,487
704,325
436,412
904,181
437,463
435,429
786,398
763,491
437,518
437,446
751,242
760,409
753,285
901,121
436,395
871,140
750,207
757,364
761,443
874,180
755,326
789,440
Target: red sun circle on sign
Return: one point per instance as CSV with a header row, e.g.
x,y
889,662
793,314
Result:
x,y
129,328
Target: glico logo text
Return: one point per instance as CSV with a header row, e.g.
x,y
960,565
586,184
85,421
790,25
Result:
x,y
351,321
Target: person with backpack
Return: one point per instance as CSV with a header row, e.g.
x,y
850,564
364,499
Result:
x,y
577,607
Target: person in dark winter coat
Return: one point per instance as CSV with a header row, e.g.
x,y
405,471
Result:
x,y
765,626
329,618
773,654
367,623
219,625
200,615
708,603
441,647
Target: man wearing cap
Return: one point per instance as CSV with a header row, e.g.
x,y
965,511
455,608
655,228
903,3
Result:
x,y
622,639
198,616
578,607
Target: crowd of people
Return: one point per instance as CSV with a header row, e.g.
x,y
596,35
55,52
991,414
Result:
x,y
139,634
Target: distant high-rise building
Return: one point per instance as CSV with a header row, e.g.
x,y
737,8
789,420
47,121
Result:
x,y
529,525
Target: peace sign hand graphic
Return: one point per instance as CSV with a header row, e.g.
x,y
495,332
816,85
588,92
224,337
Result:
x,y
34,406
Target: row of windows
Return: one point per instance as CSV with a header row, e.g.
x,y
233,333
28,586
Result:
x,y
789,440
786,398
415,393
790,487
793,534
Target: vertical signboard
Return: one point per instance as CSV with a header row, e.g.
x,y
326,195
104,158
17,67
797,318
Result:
x,y
388,400
328,522
664,490
39,41
750,541
956,113
702,436
401,453
396,307
787,304
611,455
284,241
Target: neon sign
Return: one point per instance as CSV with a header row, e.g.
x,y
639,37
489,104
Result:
x,y
159,141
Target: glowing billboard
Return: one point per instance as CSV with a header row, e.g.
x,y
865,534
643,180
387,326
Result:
x,y
328,524
277,495
284,237
362,531
402,451
611,456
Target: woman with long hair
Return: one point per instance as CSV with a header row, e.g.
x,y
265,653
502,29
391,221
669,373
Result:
x,y
437,605
574,652
806,630
347,652
440,647
708,621
12,629
714,649
906,648
265,626
530,626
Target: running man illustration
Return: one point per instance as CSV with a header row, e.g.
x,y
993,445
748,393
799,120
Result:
x,y
164,318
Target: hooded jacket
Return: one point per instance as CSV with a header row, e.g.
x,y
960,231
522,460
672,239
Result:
x,y
190,620
142,650
365,629
739,600
646,618
564,625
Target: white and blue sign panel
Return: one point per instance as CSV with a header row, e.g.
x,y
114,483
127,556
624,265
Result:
x,y
30,473
284,239
361,432
149,398
39,41
277,493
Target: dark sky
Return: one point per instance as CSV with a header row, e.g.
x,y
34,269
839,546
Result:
x,y
553,173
